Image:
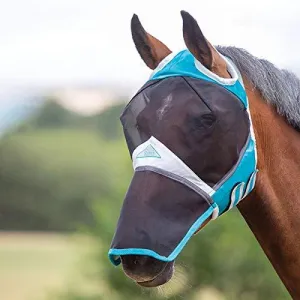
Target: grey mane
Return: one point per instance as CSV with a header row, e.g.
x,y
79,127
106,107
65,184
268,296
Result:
x,y
280,88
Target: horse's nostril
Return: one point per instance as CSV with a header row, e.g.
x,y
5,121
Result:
x,y
135,261
140,267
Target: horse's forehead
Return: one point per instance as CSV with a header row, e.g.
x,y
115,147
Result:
x,y
165,106
171,99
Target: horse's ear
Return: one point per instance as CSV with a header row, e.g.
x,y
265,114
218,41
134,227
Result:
x,y
195,40
151,50
201,48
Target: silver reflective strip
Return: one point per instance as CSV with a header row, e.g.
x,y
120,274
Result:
x,y
155,154
179,179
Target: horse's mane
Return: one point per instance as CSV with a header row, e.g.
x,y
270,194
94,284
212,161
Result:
x,y
279,87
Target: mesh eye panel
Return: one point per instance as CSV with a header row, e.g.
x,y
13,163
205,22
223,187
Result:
x,y
157,218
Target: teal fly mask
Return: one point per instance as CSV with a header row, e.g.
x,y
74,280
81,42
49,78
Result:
x,y
160,225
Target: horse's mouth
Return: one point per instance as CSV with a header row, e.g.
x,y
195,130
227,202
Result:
x,y
163,277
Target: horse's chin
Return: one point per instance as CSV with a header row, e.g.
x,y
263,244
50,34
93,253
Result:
x,y
163,277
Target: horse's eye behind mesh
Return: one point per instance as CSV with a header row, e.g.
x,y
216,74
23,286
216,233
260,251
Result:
x,y
202,122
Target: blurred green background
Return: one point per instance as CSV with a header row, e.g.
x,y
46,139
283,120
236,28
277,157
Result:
x,y
63,177
67,68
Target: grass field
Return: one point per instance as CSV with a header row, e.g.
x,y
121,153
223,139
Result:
x,y
32,264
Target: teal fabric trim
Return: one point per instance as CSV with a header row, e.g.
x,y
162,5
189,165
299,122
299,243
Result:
x,y
114,254
242,173
183,64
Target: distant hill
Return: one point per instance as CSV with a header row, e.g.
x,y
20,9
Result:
x,y
53,115
18,104
17,107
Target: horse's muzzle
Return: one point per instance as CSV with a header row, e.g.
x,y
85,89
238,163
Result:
x,y
147,271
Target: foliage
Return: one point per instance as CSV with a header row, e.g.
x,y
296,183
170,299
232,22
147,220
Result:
x,y
107,124
47,179
52,115
51,167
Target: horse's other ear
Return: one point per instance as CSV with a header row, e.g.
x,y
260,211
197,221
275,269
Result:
x,y
195,40
151,50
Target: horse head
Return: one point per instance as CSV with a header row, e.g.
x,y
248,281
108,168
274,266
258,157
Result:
x,y
188,130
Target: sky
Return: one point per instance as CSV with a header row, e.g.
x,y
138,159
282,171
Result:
x,y
63,42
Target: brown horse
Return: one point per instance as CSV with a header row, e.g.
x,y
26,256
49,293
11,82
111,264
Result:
x,y
272,209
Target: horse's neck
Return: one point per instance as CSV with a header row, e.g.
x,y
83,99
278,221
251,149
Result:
x,y
272,210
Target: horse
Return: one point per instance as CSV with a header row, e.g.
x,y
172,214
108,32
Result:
x,y
272,208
